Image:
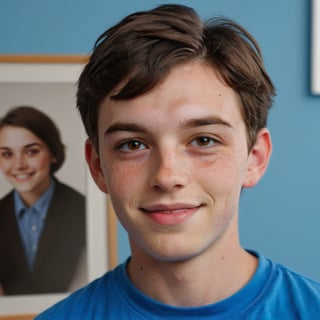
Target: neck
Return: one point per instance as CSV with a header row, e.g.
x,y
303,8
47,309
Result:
x,y
201,280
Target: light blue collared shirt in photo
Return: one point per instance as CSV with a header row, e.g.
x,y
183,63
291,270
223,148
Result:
x,y
31,221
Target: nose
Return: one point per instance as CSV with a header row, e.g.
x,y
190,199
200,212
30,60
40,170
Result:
x,y
170,171
19,162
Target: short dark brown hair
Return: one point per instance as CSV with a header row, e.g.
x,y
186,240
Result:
x,y
142,49
40,125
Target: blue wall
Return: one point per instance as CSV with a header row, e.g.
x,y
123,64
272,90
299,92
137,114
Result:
x,y
281,216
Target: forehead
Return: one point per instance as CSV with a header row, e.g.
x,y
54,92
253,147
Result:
x,y
17,137
190,90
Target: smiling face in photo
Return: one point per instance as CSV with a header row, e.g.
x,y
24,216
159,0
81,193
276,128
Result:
x,y
25,161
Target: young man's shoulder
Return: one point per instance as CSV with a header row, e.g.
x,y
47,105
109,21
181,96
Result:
x,y
286,293
298,286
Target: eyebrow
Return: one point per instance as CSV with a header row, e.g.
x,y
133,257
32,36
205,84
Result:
x,y
186,124
130,127
207,121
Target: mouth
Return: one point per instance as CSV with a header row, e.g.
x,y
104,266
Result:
x,y
22,176
170,214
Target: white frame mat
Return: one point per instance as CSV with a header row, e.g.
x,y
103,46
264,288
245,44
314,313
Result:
x,y
96,210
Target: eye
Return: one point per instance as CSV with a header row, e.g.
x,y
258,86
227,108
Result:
x,y
6,154
33,151
203,141
132,145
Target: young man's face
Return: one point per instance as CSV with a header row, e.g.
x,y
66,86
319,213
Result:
x,y
174,161
25,161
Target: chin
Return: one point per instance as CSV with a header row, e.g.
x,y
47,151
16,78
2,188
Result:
x,y
22,189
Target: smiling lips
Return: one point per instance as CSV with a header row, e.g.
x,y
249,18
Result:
x,y
171,215
22,177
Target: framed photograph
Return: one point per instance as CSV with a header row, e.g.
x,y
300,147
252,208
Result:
x,y
315,49
48,83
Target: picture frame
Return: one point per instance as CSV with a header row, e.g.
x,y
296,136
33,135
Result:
x,y
315,47
33,74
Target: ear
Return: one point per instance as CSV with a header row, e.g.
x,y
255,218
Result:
x,y
93,161
258,159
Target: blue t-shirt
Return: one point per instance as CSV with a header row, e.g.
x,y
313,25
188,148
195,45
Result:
x,y
273,293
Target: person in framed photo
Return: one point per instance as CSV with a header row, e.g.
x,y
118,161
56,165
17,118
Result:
x,y
176,112
42,220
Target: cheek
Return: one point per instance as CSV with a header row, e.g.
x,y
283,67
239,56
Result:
x,y
125,182
218,172
123,187
122,177
42,163
222,181
5,166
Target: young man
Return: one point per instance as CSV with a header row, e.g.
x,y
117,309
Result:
x,y
176,114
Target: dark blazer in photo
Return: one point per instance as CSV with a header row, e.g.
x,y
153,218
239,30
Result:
x,y
61,245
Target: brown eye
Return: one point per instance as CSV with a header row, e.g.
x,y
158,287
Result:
x,y
32,152
6,154
203,141
132,145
